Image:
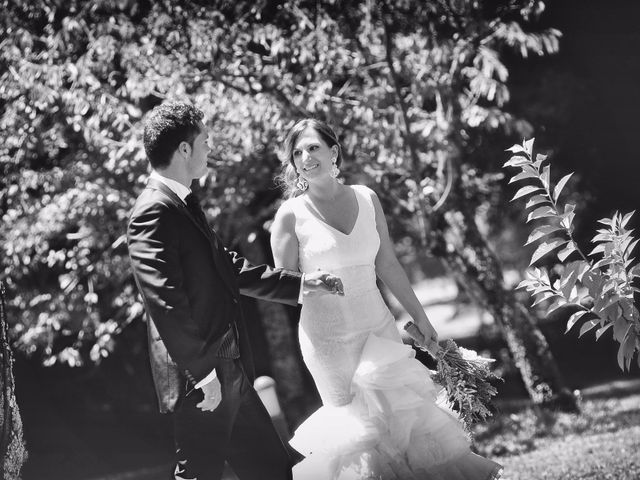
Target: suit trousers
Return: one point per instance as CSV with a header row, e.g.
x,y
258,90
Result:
x,y
239,431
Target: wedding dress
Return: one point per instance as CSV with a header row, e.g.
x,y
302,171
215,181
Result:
x,y
381,417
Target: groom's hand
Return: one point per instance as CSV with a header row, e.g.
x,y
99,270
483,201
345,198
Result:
x,y
321,282
212,396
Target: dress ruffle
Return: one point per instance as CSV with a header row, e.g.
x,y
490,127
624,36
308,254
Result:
x,y
397,426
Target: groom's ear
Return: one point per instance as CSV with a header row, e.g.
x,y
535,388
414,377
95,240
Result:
x,y
184,148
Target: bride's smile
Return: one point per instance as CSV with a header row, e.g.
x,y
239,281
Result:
x,y
312,157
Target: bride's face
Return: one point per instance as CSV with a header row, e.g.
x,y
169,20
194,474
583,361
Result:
x,y
312,157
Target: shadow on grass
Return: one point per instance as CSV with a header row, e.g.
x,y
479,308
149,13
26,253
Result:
x,y
520,432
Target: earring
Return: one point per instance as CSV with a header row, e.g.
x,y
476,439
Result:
x,y
302,184
335,171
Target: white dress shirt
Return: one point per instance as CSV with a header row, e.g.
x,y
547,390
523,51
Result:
x,y
176,187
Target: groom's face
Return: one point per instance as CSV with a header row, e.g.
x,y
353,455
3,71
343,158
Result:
x,y
197,162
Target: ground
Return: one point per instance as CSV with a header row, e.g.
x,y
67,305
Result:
x,y
73,434
602,442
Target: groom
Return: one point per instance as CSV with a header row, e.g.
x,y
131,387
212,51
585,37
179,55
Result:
x,y
190,284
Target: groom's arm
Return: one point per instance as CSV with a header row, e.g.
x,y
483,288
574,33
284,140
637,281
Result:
x,y
281,285
266,282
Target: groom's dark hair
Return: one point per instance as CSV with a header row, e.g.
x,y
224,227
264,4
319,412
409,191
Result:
x,y
168,125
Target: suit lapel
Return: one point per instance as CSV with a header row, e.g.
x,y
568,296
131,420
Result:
x,y
220,257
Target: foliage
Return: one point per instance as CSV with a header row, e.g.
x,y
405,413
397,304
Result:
x,y
601,291
412,87
467,378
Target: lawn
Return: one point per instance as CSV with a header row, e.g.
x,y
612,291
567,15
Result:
x,y
602,442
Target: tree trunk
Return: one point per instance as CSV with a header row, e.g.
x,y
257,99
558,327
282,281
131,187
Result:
x,y
473,264
285,363
12,449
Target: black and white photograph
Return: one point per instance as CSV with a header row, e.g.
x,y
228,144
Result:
x,y
319,240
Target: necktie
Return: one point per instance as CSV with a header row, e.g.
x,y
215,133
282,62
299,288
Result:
x,y
193,205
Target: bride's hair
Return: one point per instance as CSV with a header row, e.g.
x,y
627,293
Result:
x,y
288,177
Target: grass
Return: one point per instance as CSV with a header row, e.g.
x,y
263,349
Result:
x,y
602,442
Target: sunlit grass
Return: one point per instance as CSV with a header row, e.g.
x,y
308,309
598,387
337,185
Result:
x,y
602,442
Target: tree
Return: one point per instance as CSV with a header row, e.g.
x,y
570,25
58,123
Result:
x,y
12,451
417,91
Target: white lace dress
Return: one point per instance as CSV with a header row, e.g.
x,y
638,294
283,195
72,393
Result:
x,y
381,418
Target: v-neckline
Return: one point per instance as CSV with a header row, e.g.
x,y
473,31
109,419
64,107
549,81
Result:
x,y
313,211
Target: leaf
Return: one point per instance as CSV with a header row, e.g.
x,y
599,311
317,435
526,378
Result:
x,y
620,327
567,219
603,237
516,161
561,302
525,191
542,288
604,262
568,281
623,351
574,318
515,149
527,172
541,212
606,221
526,284
542,297
626,219
567,251
546,174
601,330
540,232
587,326
560,186
537,164
609,285
528,146
602,306
545,248
582,267
537,199
629,248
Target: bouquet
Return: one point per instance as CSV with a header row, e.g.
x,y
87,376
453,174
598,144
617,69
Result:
x,y
466,378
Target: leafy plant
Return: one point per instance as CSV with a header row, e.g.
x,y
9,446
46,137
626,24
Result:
x,y
599,285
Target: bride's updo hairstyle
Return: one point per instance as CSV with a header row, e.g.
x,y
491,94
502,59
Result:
x,y
288,178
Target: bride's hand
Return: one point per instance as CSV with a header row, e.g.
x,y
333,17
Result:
x,y
321,282
424,335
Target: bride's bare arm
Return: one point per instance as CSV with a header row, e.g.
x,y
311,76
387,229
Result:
x,y
390,271
284,242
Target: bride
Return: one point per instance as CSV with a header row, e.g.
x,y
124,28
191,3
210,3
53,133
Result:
x,y
381,416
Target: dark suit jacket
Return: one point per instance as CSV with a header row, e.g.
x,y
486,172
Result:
x,y
190,289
